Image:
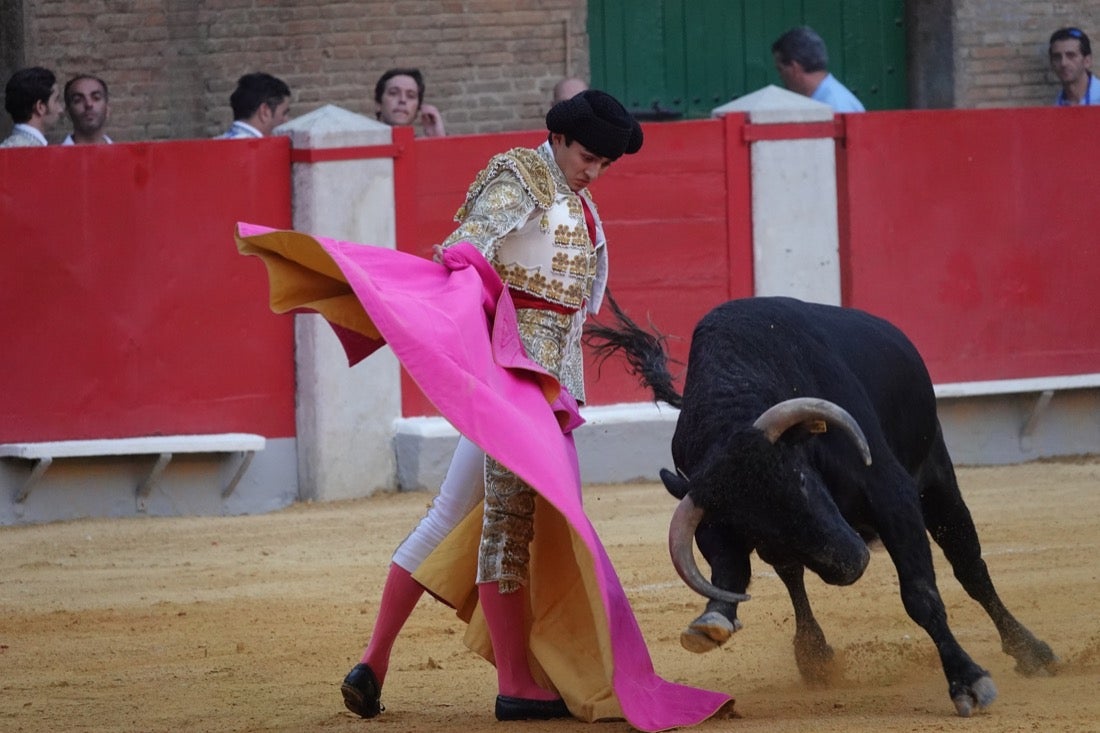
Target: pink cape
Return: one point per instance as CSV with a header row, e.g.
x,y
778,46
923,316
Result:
x,y
454,330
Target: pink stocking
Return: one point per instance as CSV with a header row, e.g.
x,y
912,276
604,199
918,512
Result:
x,y
399,597
504,613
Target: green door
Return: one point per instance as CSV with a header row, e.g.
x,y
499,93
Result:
x,y
668,59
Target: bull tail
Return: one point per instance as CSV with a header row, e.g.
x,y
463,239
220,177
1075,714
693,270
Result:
x,y
643,349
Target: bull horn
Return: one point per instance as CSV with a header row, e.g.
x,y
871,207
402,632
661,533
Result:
x,y
780,417
681,534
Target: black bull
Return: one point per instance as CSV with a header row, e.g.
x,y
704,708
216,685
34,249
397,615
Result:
x,y
757,469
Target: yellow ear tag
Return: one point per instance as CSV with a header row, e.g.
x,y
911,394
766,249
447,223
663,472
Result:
x,y
817,426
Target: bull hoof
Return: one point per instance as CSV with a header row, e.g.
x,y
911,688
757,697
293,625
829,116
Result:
x,y
1033,657
978,695
708,632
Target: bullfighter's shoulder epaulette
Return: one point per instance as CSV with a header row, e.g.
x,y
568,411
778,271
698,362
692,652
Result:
x,y
527,165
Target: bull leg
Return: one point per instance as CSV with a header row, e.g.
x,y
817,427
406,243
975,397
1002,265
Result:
x,y
902,530
730,570
812,653
949,522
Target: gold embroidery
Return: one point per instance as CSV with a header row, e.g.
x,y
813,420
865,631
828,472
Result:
x,y
507,528
537,283
508,524
527,165
561,263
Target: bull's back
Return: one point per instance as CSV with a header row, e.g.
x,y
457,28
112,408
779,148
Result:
x,y
759,351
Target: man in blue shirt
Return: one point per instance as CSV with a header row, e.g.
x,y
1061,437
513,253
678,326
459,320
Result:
x,y
802,63
1071,62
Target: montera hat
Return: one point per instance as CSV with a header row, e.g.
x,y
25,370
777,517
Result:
x,y
597,121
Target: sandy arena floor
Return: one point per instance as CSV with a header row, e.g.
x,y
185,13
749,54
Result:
x,y
249,623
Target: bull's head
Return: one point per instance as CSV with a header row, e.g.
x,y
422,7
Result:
x,y
768,493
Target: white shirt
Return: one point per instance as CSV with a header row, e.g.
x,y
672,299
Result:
x,y
22,128
69,140
239,130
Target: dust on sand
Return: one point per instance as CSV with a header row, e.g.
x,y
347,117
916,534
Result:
x,y
249,623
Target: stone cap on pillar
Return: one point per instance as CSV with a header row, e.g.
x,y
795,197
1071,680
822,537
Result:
x,y
331,126
773,104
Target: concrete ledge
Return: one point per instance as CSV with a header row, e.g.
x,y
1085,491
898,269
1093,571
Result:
x,y
212,443
192,484
1016,386
163,446
617,444
1002,428
631,442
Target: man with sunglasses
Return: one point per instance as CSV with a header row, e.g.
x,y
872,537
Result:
x,y
1071,61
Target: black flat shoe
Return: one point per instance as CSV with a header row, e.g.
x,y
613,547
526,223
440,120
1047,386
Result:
x,y
362,693
518,708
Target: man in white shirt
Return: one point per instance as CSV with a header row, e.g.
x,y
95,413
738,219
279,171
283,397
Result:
x,y
260,103
802,62
87,104
33,100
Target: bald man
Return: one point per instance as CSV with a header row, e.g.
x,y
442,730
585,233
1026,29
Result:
x,y
568,88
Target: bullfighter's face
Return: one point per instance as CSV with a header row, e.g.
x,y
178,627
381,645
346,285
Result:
x,y
579,164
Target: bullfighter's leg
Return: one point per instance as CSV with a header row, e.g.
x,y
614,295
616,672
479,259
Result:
x,y
730,570
503,556
951,526
902,530
812,653
461,490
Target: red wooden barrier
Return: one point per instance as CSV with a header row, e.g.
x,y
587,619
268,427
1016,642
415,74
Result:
x,y
127,310
976,232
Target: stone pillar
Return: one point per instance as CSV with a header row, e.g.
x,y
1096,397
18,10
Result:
x,y
794,199
345,417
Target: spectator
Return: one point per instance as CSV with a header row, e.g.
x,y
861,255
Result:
x,y
802,62
87,104
399,94
1071,61
33,100
568,88
260,103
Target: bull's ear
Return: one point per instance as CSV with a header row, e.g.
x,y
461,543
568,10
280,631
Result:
x,y
676,484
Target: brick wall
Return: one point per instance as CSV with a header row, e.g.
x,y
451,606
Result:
x,y
490,64
171,65
1001,49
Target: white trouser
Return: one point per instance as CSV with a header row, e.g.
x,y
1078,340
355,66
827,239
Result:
x,y
462,489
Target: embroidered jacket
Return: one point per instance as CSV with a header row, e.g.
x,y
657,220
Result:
x,y
522,216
